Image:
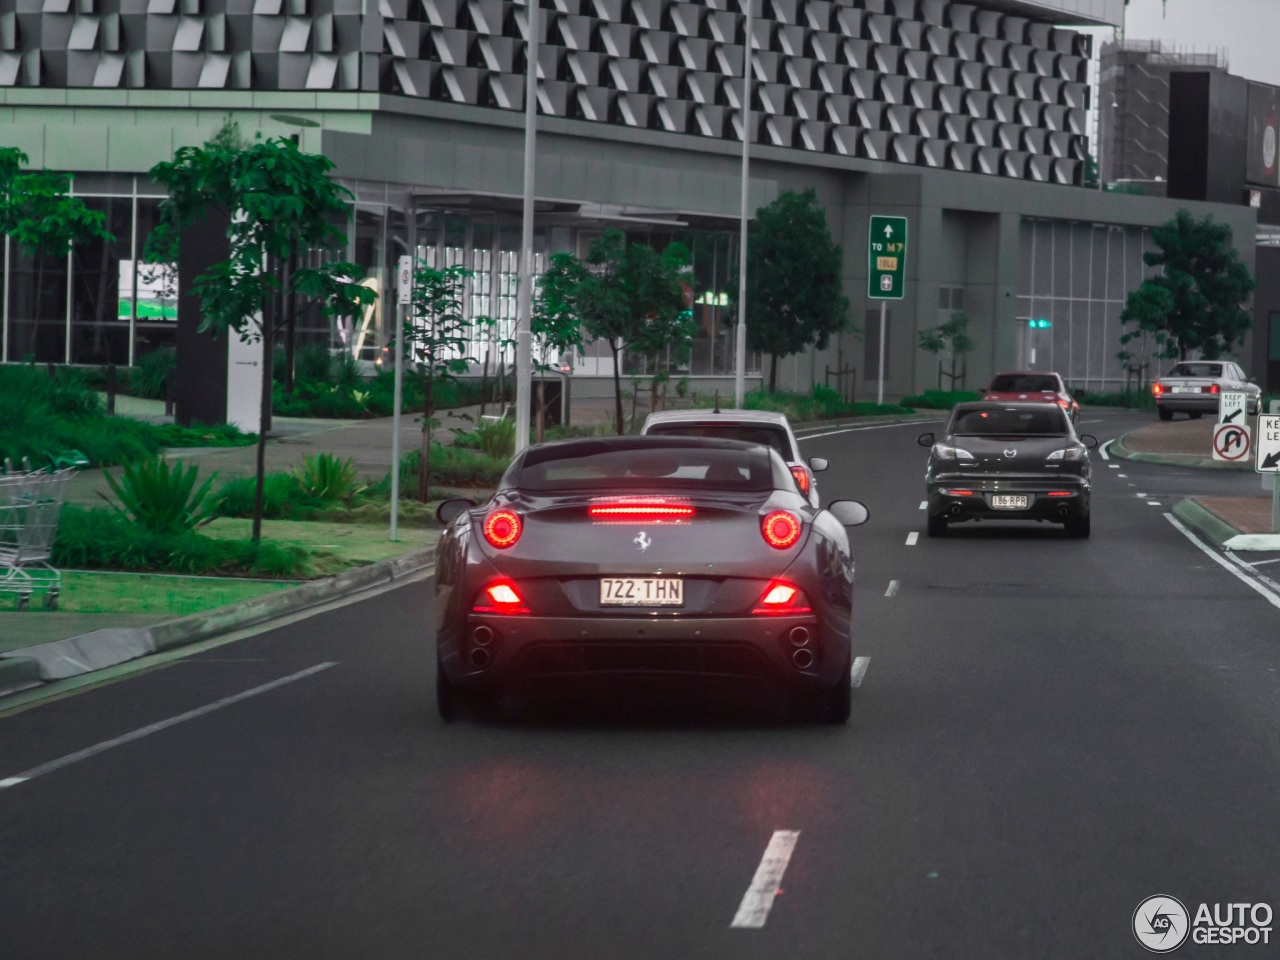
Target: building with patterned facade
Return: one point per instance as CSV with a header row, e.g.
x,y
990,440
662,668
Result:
x,y
968,118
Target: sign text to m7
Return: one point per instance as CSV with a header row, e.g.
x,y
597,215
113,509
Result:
x,y
886,258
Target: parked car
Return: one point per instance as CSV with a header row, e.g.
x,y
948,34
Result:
x,y
1195,387
645,557
773,430
1030,387
1008,461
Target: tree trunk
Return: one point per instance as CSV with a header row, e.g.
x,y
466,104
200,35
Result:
x,y
268,351
484,379
289,305
773,373
542,408
617,385
428,408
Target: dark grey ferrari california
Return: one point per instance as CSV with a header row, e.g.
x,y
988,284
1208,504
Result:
x,y
646,556
1008,461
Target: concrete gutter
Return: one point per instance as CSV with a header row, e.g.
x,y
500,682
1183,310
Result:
x,y
1194,460
32,666
1217,531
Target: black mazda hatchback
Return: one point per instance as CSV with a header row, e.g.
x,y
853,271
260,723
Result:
x,y
1008,461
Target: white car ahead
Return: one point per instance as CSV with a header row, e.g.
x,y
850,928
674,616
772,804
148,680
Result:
x,y
751,426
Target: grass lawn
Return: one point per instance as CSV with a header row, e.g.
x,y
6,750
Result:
x,y
150,594
336,546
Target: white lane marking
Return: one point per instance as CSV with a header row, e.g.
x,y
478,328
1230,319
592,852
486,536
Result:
x,y
1153,503
1103,450
151,728
860,665
878,426
1251,568
1123,476
924,504
893,589
758,900
1114,466
1249,581
912,537
1256,563
1141,496
1083,422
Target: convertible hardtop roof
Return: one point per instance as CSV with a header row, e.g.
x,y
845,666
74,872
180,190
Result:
x,y
592,446
710,416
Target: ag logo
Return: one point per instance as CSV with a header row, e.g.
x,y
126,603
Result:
x,y
1161,923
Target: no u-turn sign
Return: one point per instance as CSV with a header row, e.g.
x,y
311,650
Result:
x,y
1231,442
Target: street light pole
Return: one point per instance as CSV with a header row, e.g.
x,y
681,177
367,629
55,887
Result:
x,y
524,294
740,343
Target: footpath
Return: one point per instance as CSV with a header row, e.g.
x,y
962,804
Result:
x,y
1234,522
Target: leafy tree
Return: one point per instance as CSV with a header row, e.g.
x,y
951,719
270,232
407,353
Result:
x,y
628,295
280,202
438,334
1195,305
794,294
38,214
556,329
951,338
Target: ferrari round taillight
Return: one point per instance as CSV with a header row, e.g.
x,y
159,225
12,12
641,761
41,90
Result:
x,y
502,528
781,530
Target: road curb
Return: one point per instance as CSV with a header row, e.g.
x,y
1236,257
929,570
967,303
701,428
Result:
x,y
1118,449
1208,525
88,653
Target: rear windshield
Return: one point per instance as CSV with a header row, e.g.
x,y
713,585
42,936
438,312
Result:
x,y
1196,370
1023,383
772,437
690,468
979,423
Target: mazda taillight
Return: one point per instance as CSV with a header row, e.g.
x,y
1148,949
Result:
x,y
499,597
781,598
802,478
781,530
502,528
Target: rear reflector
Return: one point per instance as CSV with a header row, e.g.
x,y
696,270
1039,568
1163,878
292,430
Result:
x,y
781,530
957,493
502,528
640,511
802,478
1157,389
499,597
781,598
1060,493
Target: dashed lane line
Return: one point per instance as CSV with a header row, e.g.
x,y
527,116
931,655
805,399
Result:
x,y
893,589
878,426
758,900
859,671
1153,503
1251,582
912,537
924,504
146,731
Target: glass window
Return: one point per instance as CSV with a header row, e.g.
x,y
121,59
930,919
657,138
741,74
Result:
x,y
690,466
773,437
1021,383
1211,370
1050,421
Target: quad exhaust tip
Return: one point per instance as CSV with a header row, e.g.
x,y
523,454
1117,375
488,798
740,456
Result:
x,y
482,635
955,510
802,658
479,658
799,636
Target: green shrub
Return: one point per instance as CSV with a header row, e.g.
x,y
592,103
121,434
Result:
x,y
940,399
497,438
313,362
104,540
453,467
150,374
159,496
822,403
1133,399
198,435
280,495
324,477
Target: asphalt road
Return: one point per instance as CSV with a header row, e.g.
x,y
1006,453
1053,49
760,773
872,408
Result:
x,y
1048,731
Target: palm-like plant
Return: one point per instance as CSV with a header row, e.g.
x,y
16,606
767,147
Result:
x,y
498,438
161,497
325,477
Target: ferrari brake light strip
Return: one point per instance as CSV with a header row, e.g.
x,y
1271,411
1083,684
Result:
x,y
1243,577
151,728
758,900
859,670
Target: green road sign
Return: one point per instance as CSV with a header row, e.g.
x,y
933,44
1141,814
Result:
x,y
886,258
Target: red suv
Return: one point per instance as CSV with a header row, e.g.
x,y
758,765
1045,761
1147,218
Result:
x,y
1028,387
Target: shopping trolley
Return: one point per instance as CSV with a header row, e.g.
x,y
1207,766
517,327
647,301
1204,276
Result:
x,y
30,503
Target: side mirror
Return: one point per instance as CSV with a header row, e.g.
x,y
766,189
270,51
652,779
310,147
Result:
x,y
1089,440
450,510
925,440
851,513
818,464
